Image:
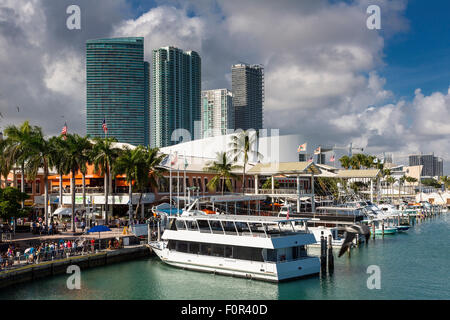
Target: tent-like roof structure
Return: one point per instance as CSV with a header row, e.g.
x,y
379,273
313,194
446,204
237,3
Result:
x,y
285,168
369,173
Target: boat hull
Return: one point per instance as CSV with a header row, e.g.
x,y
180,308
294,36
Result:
x,y
386,231
265,271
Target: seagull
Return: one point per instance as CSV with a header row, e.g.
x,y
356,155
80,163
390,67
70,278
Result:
x,y
17,108
350,233
1,115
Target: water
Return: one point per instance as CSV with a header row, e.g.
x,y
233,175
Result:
x,y
414,265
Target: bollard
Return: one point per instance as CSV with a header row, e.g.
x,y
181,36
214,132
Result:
x,y
373,230
323,257
330,255
382,227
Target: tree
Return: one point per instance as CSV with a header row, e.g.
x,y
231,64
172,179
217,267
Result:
x,y
39,157
75,159
58,148
133,164
345,162
5,166
155,173
268,184
10,199
445,180
242,146
17,142
103,157
223,169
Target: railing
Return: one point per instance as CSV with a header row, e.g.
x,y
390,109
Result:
x,y
277,191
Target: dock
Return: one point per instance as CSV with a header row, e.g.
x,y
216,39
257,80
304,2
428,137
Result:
x,y
31,272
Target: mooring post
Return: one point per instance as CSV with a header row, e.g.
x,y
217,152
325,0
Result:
x,y
382,227
323,257
330,255
373,230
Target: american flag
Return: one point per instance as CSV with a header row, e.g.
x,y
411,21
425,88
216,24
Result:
x,y
175,159
105,128
332,158
310,159
64,129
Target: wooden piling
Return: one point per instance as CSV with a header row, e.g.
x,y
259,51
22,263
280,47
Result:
x,y
323,257
382,227
330,255
373,230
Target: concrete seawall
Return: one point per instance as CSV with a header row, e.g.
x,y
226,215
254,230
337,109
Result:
x,y
49,268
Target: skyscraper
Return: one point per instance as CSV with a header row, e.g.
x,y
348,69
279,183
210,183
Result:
x,y
117,89
217,112
176,94
432,166
247,82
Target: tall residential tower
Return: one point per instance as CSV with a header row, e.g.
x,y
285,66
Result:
x,y
247,82
175,96
217,112
117,89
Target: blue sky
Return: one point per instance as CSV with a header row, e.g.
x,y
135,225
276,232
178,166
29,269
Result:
x,y
420,57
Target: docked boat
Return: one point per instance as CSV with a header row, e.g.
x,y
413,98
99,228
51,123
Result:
x,y
256,247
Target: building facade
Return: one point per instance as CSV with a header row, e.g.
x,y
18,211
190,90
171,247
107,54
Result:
x,y
117,89
217,112
176,94
432,166
247,83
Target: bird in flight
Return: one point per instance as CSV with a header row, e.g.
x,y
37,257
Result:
x,y
17,108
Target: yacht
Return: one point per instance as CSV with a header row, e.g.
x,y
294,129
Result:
x,y
255,247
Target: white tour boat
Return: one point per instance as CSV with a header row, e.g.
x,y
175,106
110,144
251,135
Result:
x,y
256,247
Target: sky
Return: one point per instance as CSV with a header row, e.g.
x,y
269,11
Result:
x,y
327,76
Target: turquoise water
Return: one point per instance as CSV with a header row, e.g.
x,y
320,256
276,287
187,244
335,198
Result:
x,y
414,265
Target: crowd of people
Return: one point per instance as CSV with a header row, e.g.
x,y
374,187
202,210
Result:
x,y
51,250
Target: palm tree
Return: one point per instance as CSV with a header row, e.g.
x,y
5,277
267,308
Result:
x,y
76,156
390,180
85,147
5,166
17,148
57,160
155,173
40,153
223,168
345,162
133,164
242,146
445,180
103,157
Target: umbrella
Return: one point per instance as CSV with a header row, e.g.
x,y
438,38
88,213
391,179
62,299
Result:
x,y
99,229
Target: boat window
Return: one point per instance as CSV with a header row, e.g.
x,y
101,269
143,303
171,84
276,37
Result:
x,y
182,246
256,227
205,249
172,244
216,226
242,227
228,252
246,253
172,224
271,255
218,250
204,226
192,225
229,227
180,225
194,247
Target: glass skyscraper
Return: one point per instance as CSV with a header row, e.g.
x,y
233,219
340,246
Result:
x,y
247,85
176,94
217,112
117,80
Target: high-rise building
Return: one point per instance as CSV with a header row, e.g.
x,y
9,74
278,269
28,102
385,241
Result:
x,y
217,112
247,85
176,94
117,89
432,166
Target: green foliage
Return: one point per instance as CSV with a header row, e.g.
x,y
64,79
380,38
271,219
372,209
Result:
x,y
359,161
430,182
268,184
10,203
223,168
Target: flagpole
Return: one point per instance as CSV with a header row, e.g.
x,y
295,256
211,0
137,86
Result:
x,y
178,186
170,184
184,183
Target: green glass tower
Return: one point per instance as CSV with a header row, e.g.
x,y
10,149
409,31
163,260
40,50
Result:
x,y
117,89
176,94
